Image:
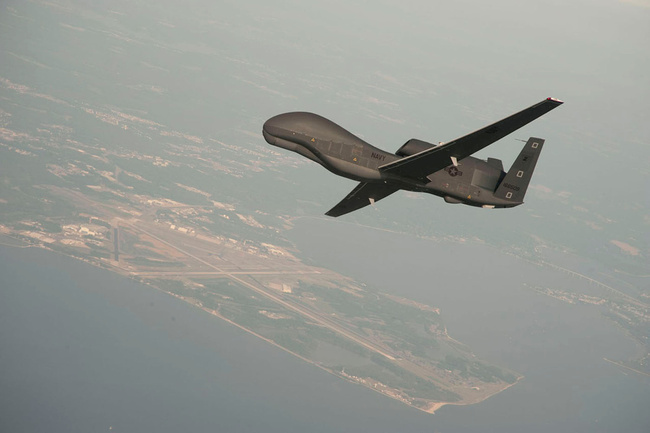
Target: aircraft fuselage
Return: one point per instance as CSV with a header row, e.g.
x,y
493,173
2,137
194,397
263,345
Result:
x,y
447,170
472,181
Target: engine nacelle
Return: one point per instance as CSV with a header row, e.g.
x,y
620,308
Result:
x,y
413,146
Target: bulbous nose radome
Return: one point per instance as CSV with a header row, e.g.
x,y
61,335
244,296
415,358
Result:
x,y
278,127
268,136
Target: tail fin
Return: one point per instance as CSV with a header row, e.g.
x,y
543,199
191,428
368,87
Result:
x,y
514,184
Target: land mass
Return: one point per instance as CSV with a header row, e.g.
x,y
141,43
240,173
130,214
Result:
x,y
394,346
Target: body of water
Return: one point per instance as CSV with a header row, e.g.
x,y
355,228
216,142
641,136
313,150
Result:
x,y
487,302
84,349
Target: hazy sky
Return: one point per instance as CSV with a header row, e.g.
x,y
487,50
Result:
x,y
388,71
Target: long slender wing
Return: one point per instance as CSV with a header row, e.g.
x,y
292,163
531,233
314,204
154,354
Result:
x,y
361,196
429,161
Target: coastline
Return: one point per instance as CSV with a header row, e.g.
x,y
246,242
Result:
x,y
395,394
435,406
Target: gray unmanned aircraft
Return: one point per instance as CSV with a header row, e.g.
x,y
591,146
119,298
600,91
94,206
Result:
x,y
446,169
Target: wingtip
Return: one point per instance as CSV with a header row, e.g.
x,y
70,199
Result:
x,y
555,100
332,213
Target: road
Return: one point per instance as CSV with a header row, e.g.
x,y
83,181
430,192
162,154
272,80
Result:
x,y
217,273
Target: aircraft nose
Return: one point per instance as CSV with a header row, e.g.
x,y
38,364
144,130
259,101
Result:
x,y
272,128
277,123
278,127
288,126
268,125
